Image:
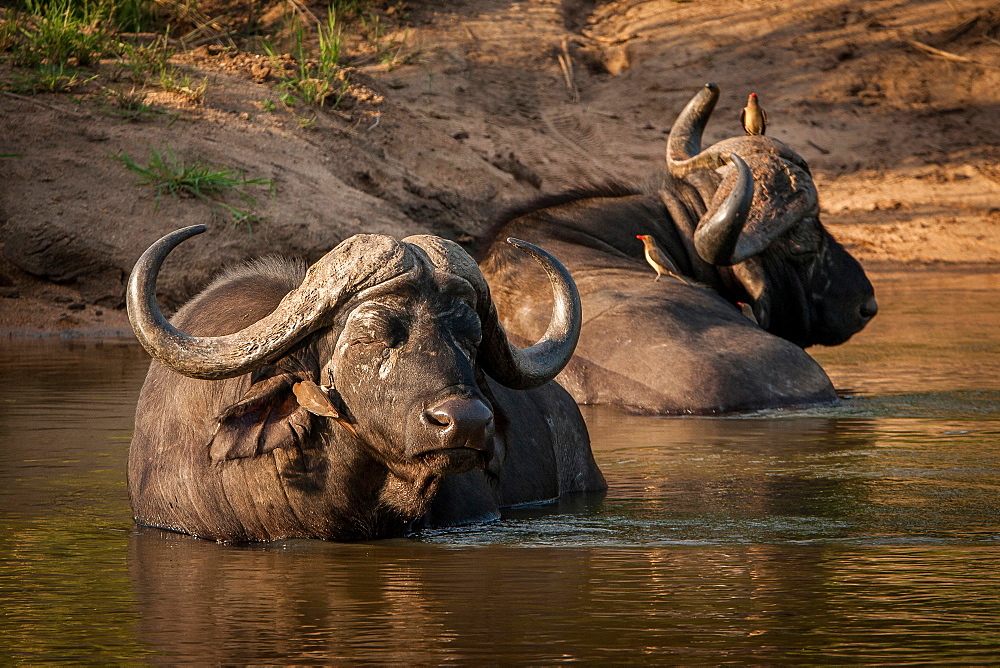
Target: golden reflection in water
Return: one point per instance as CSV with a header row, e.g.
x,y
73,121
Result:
x,y
860,533
932,324
394,602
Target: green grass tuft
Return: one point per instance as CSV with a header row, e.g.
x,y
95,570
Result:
x,y
61,33
46,79
168,173
329,44
131,105
145,61
315,81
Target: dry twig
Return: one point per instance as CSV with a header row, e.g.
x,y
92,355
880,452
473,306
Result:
x,y
947,55
609,40
819,148
304,11
566,62
53,107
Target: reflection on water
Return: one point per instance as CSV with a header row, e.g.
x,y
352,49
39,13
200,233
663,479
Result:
x,y
409,602
936,330
866,531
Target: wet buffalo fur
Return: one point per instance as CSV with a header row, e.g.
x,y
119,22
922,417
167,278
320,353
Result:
x,y
243,460
675,346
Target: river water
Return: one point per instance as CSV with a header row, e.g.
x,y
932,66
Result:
x,y
868,531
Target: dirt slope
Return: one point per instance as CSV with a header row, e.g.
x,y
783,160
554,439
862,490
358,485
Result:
x,y
895,104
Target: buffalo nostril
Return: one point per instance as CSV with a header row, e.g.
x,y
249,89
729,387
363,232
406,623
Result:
x,y
454,424
438,418
466,415
869,308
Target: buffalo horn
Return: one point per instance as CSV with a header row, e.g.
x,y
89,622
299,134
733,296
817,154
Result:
x,y
301,311
524,369
684,152
519,369
719,233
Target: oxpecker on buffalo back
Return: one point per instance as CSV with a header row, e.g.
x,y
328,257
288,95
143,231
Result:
x,y
739,220
663,265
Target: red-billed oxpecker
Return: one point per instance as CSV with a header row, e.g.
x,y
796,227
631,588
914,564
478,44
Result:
x,y
753,118
657,260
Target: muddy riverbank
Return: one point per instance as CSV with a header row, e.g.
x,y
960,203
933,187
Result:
x,y
474,111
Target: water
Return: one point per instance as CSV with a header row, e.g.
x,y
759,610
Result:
x,y
863,532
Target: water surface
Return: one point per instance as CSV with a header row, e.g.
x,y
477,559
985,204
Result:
x,y
868,531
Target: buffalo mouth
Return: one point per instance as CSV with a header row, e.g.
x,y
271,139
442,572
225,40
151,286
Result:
x,y
446,461
839,331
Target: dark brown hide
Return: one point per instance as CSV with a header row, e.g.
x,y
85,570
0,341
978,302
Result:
x,y
740,220
400,426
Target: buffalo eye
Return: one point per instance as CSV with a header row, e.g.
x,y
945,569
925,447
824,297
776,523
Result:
x,y
805,237
380,330
387,339
466,330
803,240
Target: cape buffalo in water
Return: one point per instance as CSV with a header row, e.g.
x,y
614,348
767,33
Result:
x,y
739,220
350,400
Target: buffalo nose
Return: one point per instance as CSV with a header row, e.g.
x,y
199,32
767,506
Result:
x,y
460,422
869,308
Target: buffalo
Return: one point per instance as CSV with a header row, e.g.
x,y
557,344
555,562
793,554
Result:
x,y
739,220
371,394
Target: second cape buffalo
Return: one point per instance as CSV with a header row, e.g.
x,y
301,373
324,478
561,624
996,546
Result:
x,y
372,393
739,220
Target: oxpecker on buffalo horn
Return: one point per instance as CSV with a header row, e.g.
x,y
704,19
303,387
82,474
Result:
x,y
753,118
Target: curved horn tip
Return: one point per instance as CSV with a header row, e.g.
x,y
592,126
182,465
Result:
x,y
712,86
173,239
741,165
531,249
523,246
157,252
191,230
534,366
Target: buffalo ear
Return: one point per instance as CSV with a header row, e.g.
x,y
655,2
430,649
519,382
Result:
x,y
268,416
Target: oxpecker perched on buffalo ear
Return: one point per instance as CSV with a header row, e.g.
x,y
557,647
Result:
x,y
752,117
